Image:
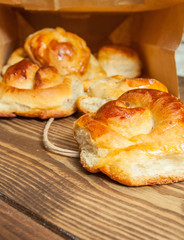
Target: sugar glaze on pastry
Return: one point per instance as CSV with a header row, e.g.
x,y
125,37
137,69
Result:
x,y
65,51
136,140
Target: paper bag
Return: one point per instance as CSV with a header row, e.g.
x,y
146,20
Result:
x,y
92,5
155,34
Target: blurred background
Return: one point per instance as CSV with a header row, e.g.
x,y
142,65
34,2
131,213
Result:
x,y
179,56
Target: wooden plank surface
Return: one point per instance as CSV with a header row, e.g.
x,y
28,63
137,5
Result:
x,y
15,225
74,203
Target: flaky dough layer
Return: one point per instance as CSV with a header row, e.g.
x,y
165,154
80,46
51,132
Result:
x,y
110,88
135,140
31,91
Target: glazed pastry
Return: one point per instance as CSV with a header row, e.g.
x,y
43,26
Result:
x,y
18,55
32,91
120,60
65,51
111,88
135,140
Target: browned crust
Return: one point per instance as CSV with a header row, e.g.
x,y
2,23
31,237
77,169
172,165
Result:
x,y
147,83
79,103
42,102
159,180
114,109
7,114
142,181
166,135
95,128
20,74
44,114
117,49
67,52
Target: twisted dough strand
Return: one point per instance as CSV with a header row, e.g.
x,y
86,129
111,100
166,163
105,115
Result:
x,y
136,140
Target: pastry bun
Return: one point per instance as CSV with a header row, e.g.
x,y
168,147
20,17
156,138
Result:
x,y
120,60
66,51
32,91
111,88
135,140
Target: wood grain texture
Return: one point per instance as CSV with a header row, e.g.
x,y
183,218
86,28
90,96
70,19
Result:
x,y
16,225
59,192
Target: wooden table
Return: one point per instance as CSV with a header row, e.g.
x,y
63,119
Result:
x,y
47,196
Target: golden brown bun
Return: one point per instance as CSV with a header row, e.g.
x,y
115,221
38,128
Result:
x,y
18,55
30,91
21,74
111,88
135,140
120,60
67,52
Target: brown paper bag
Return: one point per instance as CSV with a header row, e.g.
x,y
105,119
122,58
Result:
x,y
93,5
156,34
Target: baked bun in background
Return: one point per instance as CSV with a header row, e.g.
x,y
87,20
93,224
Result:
x,y
110,88
93,72
120,60
135,140
32,91
65,51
